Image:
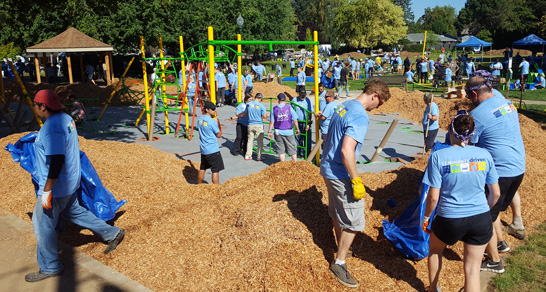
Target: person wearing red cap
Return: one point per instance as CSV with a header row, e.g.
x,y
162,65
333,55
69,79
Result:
x,y
59,173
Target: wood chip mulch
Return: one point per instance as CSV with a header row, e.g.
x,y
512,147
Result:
x,y
265,231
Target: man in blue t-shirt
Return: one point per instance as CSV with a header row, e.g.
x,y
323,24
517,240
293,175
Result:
x,y
256,114
430,121
524,65
342,146
496,68
220,79
447,78
248,86
409,76
278,68
304,115
209,132
260,71
337,76
322,96
300,83
241,130
283,119
424,71
498,131
325,115
541,82
292,67
58,169
470,67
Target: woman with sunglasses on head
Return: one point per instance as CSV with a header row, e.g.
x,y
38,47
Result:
x,y
457,176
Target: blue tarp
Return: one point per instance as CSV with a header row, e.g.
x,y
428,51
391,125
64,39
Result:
x,y
92,194
474,42
530,40
405,232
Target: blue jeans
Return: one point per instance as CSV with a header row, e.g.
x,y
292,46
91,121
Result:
x,y
44,223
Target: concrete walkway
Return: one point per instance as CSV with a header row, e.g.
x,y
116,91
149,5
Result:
x,y
81,272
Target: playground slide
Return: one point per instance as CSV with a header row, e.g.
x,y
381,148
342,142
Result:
x,y
92,194
405,232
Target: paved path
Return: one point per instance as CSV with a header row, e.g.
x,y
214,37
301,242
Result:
x,y
82,272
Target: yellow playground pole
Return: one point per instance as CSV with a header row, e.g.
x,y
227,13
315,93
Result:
x,y
424,43
212,84
145,81
118,85
163,87
25,94
317,128
183,70
239,69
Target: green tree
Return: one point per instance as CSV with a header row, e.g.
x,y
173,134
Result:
x,y
366,23
309,38
9,51
440,20
319,14
485,35
406,7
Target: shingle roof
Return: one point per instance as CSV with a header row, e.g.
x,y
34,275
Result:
x,y
419,37
71,40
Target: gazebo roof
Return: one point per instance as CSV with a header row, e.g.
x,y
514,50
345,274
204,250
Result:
x,y
71,40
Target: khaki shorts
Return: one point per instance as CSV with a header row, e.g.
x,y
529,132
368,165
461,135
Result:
x,y
348,212
285,144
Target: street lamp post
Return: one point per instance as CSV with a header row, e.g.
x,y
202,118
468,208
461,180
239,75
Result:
x,y
240,22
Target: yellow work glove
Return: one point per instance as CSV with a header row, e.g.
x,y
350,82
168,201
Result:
x,y
359,191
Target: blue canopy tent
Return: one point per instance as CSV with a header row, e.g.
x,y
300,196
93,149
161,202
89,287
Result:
x,y
475,42
532,42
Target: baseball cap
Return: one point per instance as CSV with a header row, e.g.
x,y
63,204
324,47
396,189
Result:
x,y
281,97
49,98
259,96
302,90
209,105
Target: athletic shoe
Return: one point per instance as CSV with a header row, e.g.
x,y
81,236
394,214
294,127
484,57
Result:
x,y
503,247
39,276
112,244
248,158
517,233
234,153
343,275
491,266
260,159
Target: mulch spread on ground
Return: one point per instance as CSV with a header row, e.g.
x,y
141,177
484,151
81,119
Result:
x,y
265,231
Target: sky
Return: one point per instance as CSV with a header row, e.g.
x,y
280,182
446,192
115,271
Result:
x,y
418,6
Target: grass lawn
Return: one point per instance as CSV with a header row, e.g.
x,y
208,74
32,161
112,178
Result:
x,y
526,266
539,94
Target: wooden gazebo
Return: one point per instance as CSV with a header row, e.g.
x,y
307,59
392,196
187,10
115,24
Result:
x,y
72,41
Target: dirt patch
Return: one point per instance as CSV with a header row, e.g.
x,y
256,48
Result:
x,y
265,231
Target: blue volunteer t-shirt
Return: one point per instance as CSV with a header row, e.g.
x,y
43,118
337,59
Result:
x,y
289,132
191,89
322,101
433,109
292,64
524,68
221,79
461,174
337,72
469,66
328,112
208,128
306,104
301,78
448,75
542,81
497,131
231,76
409,76
58,136
249,80
431,65
349,119
424,67
255,111
241,108
496,69
260,69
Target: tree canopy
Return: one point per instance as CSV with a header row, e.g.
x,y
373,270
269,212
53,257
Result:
x,y
440,20
367,23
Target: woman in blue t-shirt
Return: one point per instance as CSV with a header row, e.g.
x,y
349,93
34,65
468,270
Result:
x,y
457,177
430,121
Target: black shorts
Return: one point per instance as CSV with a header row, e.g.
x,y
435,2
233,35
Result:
x,y
474,230
213,161
508,187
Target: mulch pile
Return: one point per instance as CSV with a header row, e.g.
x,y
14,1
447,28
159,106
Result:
x,y
265,231
272,89
521,52
353,55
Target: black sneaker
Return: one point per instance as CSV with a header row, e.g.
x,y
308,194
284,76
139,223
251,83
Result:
x,y
112,244
39,276
503,247
343,275
491,266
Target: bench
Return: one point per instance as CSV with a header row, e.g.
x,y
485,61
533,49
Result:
x,y
398,80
